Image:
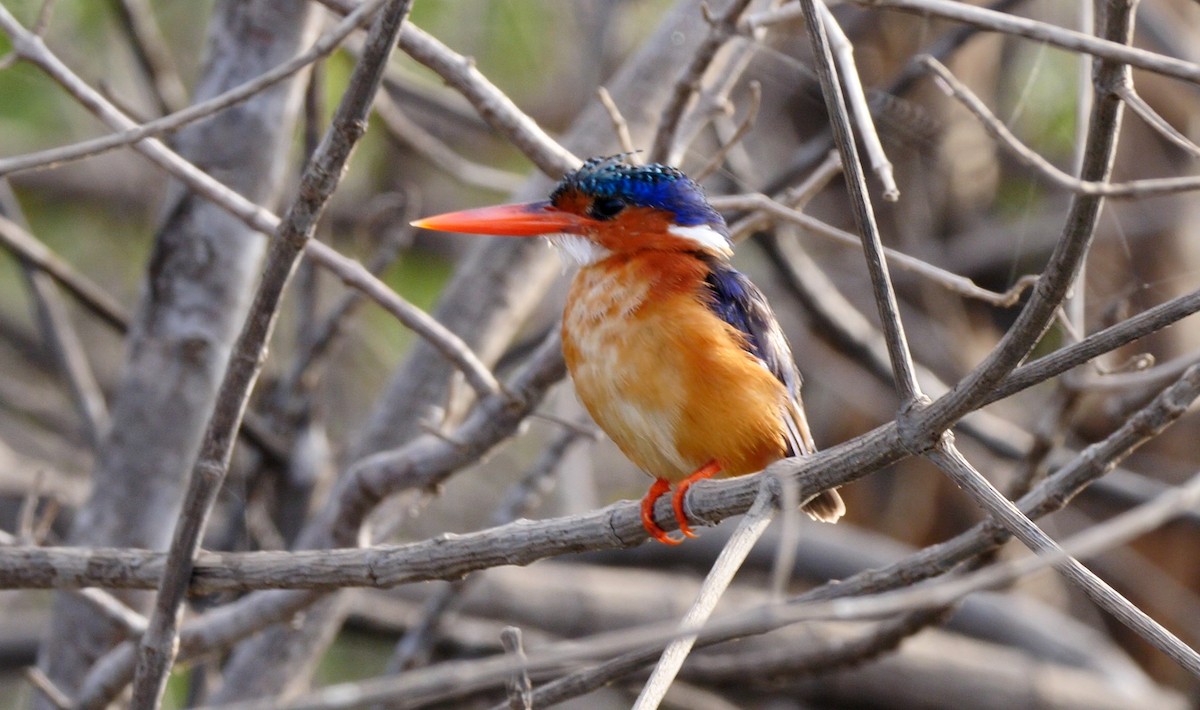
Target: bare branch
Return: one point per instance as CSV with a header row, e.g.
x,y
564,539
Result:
x,y
864,216
1152,118
620,126
160,642
452,679
426,144
28,248
131,132
153,57
843,53
947,279
615,526
227,624
743,127
749,530
46,687
947,457
993,21
1135,189
493,105
720,30
520,689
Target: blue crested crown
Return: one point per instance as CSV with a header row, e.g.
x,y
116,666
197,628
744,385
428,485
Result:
x,y
656,186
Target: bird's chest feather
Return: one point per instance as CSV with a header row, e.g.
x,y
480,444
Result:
x,y
664,376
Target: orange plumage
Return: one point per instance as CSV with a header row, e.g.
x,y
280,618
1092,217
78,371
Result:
x,y
676,355
668,381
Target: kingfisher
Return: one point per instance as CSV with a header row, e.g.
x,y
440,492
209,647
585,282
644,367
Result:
x,y
675,354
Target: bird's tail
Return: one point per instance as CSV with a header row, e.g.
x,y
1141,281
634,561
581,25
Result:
x,y
826,506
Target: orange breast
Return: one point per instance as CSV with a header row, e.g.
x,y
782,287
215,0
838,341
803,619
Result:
x,y
664,377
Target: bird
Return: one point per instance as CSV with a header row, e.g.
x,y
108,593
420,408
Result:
x,y
676,355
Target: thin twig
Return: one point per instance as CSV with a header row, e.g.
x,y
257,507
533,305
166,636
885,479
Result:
x,y
1134,189
620,126
130,132
67,348
159,644
28,511
321,336
1069,253
520,689
58,331
492,104
749,530
47,688
153,57
713,101
794,198
131,622
720,30
1075,304
1153,119
615,526
742,129
28,248
992,21
355,275
454,679
843,53
429,146
947,279
42,22
253,215
907,386
947,457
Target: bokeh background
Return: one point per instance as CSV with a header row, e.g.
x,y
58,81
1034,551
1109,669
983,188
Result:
x,y
967,206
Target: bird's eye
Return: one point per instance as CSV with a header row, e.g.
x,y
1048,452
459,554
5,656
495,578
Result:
x,y
606,207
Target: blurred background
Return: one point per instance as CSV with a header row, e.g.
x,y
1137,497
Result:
x,y
967,206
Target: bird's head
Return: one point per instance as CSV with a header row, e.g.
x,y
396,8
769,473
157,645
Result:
x,y
607,207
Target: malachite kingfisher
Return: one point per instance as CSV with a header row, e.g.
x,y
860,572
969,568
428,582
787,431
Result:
x,y
676,355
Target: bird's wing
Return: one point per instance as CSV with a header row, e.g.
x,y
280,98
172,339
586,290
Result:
x,y
739,303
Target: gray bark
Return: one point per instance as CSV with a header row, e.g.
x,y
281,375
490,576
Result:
x,y
197,289
486,302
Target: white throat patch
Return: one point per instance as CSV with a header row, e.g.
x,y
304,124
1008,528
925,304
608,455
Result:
x,y
575,249
705,237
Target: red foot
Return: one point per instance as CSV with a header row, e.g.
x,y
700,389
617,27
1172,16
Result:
x,y
659,487
708,470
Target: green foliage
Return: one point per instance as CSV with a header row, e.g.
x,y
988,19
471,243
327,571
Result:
x,y
1044,94
353,656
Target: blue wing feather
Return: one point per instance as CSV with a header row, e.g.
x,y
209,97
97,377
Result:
x,y
739,303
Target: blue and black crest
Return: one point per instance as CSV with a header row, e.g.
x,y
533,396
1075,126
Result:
x,y
613,184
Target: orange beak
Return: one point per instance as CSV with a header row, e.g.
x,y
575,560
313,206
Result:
x,y
529,219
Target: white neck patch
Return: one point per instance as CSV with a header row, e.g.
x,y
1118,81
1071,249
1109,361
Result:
x,y
705,237
575,249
